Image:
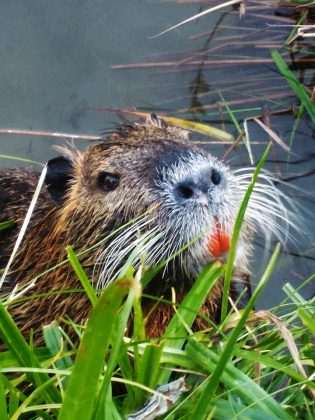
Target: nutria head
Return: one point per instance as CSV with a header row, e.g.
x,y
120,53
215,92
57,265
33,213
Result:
x,y
176,193
158,192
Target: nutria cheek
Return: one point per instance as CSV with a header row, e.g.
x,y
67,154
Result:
x,y
219,241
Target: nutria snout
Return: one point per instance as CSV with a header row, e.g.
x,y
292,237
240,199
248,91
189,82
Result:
x,y
175,194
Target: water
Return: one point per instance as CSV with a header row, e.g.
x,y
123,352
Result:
x,y
59,69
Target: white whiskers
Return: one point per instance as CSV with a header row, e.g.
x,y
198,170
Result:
x,y
270,210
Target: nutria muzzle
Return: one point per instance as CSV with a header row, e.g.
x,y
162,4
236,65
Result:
x,y
158,192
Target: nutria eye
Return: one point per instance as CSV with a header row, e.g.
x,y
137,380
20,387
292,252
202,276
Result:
x,y
215,177
107,181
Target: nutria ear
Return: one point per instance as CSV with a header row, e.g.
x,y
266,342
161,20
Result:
x,y
59,173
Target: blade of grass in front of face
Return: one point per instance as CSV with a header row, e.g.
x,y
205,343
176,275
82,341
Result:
x,y
128,370
117,344
176,331
83,384
296,86
16,343
6,225
236,231
55,343
204,403
79,254
81,275
138,321
25,223
150,274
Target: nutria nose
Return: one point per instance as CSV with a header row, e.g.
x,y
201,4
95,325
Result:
x,y
198,188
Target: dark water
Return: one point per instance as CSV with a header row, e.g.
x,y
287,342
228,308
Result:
x,y
59,68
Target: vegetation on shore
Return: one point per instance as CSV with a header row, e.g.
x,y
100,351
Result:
x,y
253,365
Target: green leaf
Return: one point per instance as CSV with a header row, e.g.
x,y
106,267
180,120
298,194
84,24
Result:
x,y
296,86
148,369
176,331
81,275
245,388
6,225
236,231
117,342
55,343
204,402
26,357
3,403
272,363
307,320
83,384
225,409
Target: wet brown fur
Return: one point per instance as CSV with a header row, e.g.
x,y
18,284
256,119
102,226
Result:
x,y
52,228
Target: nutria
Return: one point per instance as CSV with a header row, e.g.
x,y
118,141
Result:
x,y
152,173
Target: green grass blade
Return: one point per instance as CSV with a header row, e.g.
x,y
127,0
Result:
x,y
83,384
190,306
188,310
19,159
108,410
244,387
54,341
75,263
272,363
117,342
307,320
297,120
37,392
3,403
148,370
204,403
234,120
6,225
236,231
296,86
12,337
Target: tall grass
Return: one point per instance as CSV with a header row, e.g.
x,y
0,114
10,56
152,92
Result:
x,y
251,365
245,368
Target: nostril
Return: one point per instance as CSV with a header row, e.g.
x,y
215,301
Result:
x,y
185,191
215,177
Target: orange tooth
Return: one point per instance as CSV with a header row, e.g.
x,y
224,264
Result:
x,y
219,241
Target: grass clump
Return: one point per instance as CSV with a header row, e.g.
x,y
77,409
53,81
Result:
x,y
255,365
251,365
